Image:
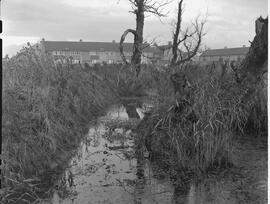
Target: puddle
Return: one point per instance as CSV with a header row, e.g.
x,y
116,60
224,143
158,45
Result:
x,y
106,170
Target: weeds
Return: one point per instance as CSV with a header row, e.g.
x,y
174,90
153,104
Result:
x,y
121,77
47,109
197,135
46,112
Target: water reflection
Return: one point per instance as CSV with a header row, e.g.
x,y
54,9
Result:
x,y
107,169
140,180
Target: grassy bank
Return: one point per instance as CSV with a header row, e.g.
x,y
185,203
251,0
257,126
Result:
x,y
46,111
197,135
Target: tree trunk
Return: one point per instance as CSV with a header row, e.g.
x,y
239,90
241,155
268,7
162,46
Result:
x,y
176,35
138,39
253,66
252,73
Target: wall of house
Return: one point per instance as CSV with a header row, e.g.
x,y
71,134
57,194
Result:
x,y
147,58
218,58
94,57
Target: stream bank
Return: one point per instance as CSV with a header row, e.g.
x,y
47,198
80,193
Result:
x,y
107,170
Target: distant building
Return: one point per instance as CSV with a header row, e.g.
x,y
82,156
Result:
x,y
231,54
165,53
94,52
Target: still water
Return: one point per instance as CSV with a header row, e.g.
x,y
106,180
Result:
x,y
106,170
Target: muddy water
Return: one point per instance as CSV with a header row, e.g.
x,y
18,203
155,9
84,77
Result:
x,y
106,170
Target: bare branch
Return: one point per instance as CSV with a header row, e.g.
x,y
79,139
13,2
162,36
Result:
x,y
155,7
123,37
186,35
190,39
198,31
180,54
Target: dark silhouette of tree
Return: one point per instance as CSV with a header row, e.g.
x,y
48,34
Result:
x,y
139,8
186,42
252,65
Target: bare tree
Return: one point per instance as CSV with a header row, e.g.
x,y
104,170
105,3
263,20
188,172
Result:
x,y
139,8
252,64
186,42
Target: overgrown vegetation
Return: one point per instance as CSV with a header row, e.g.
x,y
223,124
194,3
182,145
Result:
x,y
46,111
195,130
122,79
47,108
197,134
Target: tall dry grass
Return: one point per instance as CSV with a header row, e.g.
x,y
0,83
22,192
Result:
x,y
46,111
151,80
198,135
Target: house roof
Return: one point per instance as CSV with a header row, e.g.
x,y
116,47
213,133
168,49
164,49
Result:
x,y
226,52
88,46
164,47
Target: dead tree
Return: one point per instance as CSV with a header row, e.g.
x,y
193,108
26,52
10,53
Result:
x,y
254,64
139,8
186,42
251,74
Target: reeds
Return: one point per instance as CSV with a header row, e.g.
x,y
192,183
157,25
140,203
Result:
x,y
122,78
46,111
198,135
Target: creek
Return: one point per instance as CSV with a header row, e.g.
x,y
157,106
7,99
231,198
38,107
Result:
x,y
106,170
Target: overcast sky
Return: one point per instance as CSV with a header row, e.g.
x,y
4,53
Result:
x,y
229,22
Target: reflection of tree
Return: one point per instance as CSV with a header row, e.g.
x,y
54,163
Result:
x,y
131,111
140,181
130,107
181,189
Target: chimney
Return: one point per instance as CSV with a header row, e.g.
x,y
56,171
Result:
x,y
225,47
81,40
244,45
113,41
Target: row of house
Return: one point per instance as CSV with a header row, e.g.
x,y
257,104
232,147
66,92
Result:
x,y
230,54
108,52
94,52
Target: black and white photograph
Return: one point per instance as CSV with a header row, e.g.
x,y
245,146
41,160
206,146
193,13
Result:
x,y
134,102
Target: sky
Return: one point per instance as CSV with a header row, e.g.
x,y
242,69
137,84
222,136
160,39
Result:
x,y
230,23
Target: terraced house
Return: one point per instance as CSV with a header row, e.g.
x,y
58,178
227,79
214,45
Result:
x,y
93,52
231,54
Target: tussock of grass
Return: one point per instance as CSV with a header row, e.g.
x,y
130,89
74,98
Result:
x,y
197,134
46,111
